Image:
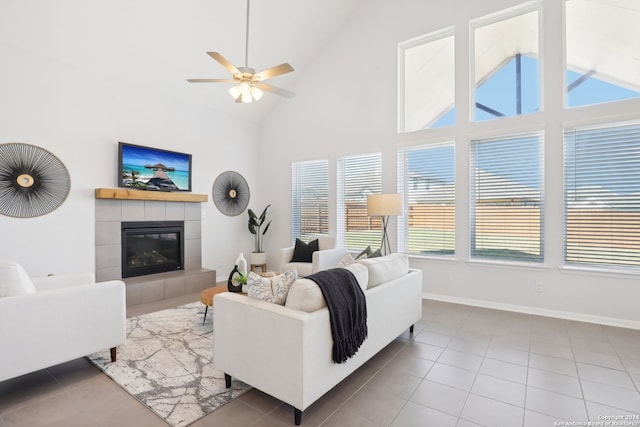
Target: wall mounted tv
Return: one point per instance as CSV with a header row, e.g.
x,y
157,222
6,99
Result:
x,y
148,168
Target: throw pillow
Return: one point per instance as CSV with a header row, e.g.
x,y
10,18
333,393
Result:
x,y
375,254
346,260
271,289
364,254
303,252
14,280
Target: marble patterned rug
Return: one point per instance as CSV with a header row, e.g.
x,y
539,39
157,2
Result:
x,y
167,364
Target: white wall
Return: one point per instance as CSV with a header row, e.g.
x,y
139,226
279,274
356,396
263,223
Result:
x,y
62,91
347,104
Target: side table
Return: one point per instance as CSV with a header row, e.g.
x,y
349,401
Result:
x,y
206,298
263,267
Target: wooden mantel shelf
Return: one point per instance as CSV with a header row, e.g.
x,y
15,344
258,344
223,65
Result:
x,y
126,194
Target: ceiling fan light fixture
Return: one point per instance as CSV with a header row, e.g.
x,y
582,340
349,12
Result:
x,y
256,93
246,98
235,91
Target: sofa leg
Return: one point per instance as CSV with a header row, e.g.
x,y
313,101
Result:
x,y
411,329
227,380
113,354
297,416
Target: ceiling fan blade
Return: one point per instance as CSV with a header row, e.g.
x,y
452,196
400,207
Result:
x,y
226,64
273,72
211,81
276,90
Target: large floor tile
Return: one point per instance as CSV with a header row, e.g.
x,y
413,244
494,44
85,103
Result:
x,y
554,350
505,370
376,405
23,390
601,359
551,381
416,415
600,374
611,396
346,416
555,404
461,360
440,397
553,364
432,338
491,413
411,365
423,351
507,354
468,345
499,389
536,419
598,412
398,384
451,376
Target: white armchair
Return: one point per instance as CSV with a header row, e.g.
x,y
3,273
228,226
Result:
x,y
326,257
50,320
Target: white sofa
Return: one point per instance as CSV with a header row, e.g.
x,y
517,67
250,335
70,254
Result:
x,y
286,351
50,320
327,256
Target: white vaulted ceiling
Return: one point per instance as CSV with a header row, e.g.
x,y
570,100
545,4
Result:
x,y
155,45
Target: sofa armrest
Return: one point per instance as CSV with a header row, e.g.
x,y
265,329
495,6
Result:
x,y
261,344
329,258
42,329
58,281
284,257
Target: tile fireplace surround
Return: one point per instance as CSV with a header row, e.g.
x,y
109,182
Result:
x,y
110,213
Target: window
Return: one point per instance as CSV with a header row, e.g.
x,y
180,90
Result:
x,y
506,72
426,176
309,198
427,80
602,57
506,198
358,176
602,195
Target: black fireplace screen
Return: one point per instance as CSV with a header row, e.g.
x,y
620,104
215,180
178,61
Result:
x,y
152,247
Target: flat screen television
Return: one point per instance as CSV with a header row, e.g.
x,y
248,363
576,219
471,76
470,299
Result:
x,y
148,168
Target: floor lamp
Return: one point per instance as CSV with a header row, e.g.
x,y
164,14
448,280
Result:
x,y
384,205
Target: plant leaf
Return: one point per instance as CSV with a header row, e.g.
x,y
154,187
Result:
x,y
266,228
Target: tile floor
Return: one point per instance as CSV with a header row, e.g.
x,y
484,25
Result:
x,y
464,367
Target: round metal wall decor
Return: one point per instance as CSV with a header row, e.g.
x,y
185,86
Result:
x,y
33,182
230,193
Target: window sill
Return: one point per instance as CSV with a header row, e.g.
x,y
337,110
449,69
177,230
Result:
x,y
508,264
601,271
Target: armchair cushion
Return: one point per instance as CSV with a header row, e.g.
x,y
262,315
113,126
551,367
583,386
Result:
x,y
303,252
14,280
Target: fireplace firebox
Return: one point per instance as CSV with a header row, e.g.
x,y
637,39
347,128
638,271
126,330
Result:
x,y
150,247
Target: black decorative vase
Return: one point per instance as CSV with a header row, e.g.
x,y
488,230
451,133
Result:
x,y
232,285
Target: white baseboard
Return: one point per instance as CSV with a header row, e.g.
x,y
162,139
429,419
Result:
x,y
567,315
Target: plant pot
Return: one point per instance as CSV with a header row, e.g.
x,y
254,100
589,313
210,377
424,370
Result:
x,y
258,258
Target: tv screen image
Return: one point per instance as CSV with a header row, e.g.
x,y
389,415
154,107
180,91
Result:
x,y
148,168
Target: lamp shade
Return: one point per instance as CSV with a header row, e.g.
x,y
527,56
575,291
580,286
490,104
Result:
x,y
384,204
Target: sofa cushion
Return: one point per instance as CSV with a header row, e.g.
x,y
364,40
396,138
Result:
x,y
303,268
383,269
305,294
303,252
271,289
14,280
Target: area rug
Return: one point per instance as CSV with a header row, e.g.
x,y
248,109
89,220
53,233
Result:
x,y
167,364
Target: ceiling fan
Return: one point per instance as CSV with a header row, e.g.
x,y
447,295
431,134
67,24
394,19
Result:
x,y
249,84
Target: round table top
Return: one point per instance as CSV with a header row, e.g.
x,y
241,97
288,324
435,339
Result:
x,y
206,296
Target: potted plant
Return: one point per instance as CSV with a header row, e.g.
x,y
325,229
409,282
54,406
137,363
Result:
x,y
256,224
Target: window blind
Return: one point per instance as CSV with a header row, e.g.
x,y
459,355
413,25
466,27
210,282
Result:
x,y
506,198
309,198
602,195
426,176
358,176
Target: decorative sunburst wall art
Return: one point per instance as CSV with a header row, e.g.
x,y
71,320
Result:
x,y
33,182
230,193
